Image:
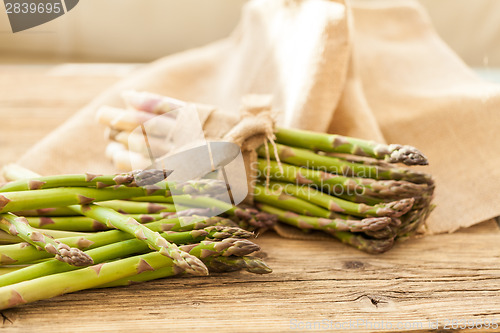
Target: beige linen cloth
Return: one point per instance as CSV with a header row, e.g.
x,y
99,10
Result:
x,y
372,69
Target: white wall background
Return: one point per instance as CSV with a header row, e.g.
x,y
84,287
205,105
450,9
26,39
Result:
x,y
143,30
125,30
470,27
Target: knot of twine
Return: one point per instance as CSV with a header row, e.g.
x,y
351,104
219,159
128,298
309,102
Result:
x,y
256,128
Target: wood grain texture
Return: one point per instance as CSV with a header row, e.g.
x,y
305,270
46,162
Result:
x,y
436,278
34,100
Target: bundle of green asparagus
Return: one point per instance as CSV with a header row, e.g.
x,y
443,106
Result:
x,y
349,188
345,187
68,233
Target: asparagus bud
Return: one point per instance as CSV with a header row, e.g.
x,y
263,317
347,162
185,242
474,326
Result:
x,y
18,226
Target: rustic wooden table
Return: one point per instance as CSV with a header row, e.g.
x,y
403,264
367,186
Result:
x,y
419,285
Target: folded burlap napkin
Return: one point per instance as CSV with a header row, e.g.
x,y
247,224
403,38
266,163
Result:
x,y
372,69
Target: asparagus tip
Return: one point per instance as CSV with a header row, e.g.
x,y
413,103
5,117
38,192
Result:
x,y
73,256
406,154
221,232
399,207
150,176
256,265
192,265
375,223
240,247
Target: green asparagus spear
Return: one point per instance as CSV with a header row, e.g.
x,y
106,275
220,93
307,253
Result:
x,y
6,238
24,179
14,201
355,240
153,239
248,217
144,177
23,253
342,144
6,270
309,159
130,207
221,232
100,254
153,198
205,250
332,143
82,223
339,185
160,273
50,212
122,206
209,233
66,196
125,208
276,196
225,247
124,249
370,226
18,226
85,278
145,206
292,197
69,223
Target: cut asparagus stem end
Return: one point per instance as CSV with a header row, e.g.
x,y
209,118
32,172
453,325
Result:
x,y
255,218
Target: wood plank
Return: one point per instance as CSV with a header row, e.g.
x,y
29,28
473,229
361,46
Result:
x,y
34,100
21,128
35,86
435,278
